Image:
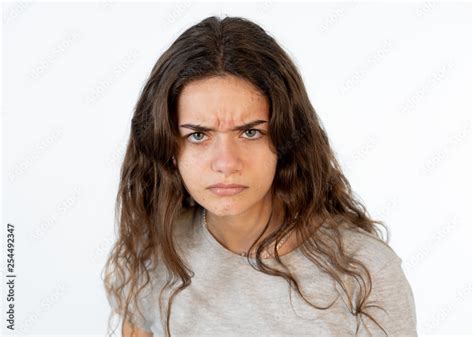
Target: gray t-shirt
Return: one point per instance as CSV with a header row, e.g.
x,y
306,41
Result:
x,y
227,297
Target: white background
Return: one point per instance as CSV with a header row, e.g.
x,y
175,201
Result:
x,y
391,83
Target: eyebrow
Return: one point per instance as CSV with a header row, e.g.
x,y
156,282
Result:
x,y
201,128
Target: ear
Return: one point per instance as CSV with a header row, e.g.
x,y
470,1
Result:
x,y
174,161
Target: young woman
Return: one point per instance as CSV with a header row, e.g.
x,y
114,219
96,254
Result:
x,y
235,218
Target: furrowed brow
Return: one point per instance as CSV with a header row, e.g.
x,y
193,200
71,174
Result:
x,y
201,128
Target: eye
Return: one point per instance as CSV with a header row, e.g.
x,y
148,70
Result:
x,y
191,135
254,130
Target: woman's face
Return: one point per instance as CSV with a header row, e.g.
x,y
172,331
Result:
x,y
225,156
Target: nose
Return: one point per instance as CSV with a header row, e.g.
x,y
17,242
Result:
x,y
226,157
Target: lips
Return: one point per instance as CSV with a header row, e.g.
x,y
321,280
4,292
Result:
x,y
224,190
226,186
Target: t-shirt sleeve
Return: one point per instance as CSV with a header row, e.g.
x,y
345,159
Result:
x,y
144,322
392,292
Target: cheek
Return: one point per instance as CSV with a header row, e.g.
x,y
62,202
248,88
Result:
x,y
262,166
190,160
187,167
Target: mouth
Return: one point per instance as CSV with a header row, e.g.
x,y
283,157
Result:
x,y
227,191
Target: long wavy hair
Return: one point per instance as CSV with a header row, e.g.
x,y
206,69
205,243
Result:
x,y
308,181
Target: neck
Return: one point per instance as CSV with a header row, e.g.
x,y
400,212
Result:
x,y
238,232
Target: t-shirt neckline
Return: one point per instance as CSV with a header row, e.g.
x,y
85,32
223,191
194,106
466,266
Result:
x,y
219,248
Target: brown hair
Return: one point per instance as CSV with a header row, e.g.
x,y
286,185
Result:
x,y
151,195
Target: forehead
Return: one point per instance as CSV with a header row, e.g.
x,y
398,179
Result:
x,y
221,101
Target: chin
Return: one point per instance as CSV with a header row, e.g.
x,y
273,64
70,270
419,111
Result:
x,y
226,208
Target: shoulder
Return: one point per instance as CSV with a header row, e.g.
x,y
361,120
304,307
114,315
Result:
x,y
390,288
368,247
